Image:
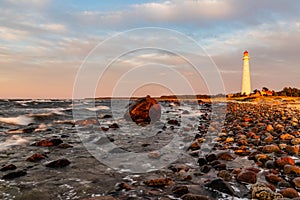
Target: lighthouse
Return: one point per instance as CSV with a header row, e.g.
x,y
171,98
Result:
x,y
246,83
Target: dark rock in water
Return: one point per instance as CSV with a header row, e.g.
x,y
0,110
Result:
x,y
8,167
114,125
211,157
36,157
289,193
160,182
202,161
194,197
58,163
15,174
105,116
180,190
48,143
144,111
64,146
101,198
220,185
174,122
30,129
123,186
205,168
247,177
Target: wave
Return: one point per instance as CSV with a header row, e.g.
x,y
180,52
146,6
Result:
x,y
20,120
14,140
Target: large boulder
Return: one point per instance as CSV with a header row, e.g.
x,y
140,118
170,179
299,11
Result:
x,y
143,111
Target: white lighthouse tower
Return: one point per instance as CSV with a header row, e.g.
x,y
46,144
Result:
x,y
246,83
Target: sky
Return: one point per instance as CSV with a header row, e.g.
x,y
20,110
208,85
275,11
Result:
x,y
72,48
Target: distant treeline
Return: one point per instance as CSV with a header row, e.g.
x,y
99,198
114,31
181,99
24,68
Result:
x,y
289,92
286,92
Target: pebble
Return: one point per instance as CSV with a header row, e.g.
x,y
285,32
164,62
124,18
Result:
x,y
221,185
8,167
291,170
15,174
194,197
289,193
271,149
58,163
180,190
48,143
160,182
36,157
273,178
262,192
247,177
281,162
296,181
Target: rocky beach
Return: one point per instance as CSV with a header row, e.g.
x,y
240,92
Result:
x,y
227,149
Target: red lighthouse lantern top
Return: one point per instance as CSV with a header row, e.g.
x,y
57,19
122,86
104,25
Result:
x,y
246,53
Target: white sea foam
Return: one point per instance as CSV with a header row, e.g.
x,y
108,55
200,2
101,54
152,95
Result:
x,y
14,140
98,108
20,120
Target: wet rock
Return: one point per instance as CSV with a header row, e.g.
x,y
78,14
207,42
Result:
x,y
242,152
154,154
225,156
101,198
271,149
194,197
269,128
280,162
174,122
289,193
202,161
295,141
224,175
64,146
36,157
262,158
296,182
292,150
15,174
180,190
221,166
220,185
8,167
58,163
287,137
247,177
270,164
106,116
48,143
272,178
144,111
123,186
160,182
205,168
291,170
86,122
262,192
211,157
114,126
